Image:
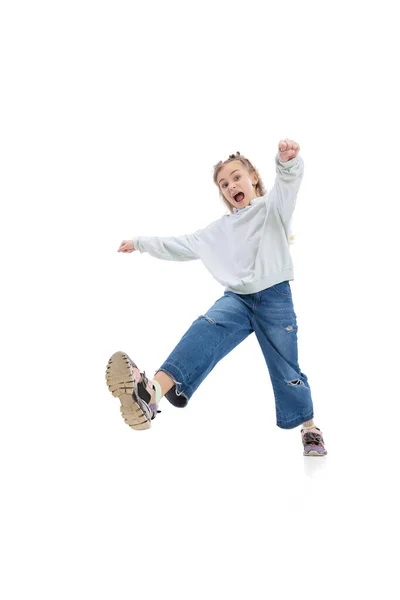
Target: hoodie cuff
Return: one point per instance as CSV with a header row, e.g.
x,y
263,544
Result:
x,y
288,163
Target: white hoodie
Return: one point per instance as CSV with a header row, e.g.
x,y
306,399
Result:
x,y
247,251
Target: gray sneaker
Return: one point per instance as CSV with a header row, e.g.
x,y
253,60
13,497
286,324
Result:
x,y
313,442
135,392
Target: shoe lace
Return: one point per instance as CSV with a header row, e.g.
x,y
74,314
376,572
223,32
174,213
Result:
x,y
313,439
145,381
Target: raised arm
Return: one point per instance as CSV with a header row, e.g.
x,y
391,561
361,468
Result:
x,y
289,174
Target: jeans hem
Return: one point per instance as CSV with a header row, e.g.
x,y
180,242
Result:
x,y
175,395
295,422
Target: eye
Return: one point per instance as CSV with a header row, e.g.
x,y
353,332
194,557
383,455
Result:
x,y
225,184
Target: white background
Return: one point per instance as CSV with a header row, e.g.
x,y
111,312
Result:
x,y
112,117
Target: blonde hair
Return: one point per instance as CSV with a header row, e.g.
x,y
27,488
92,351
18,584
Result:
x,y
259,186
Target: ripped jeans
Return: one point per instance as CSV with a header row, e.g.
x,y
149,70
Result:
x,y
270,315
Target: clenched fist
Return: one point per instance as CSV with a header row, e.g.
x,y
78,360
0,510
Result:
x,y
126,246
288,149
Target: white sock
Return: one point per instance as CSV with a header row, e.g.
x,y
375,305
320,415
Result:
x,y
309,427
158,389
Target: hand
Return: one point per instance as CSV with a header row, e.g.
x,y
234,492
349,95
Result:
x,y
126,246
288,149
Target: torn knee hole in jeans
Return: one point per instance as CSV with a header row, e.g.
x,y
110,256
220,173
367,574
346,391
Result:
x,y
296,382
208,319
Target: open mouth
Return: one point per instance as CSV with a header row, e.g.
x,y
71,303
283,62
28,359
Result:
x,y
238,197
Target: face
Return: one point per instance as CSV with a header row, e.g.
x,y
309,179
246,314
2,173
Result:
x,y
233,179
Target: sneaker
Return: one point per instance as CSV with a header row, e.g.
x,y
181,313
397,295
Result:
x,y
135,392
313,442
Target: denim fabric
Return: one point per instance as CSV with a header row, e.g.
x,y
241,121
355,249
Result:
x,y
270,315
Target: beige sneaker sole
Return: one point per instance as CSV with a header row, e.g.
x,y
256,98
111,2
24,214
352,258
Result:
x,y
122,385
314,453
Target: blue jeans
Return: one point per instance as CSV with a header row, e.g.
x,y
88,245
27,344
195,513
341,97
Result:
x,y
270,315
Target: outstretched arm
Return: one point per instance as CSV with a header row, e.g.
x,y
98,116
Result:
x,y
178,248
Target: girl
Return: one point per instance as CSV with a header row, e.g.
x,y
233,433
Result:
x,y
247,251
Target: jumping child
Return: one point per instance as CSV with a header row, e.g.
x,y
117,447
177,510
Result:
x,y
247,251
